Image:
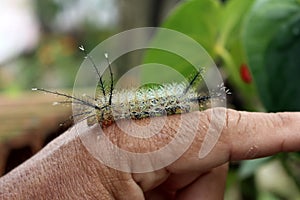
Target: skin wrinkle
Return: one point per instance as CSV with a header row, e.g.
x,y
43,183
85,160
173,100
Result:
x,y
202,129
239,118
64,169
235,118
193,181
227,119
234,121
203,117
238,121
113,179
269,123
274,126
143,179
187,193
87,172
284,121
264,123
173,185
142,145
57,175
191,155
247,129
283,142
282,145
226,137
171,131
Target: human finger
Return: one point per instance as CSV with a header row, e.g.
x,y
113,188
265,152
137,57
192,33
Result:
x,y
209,186
245,136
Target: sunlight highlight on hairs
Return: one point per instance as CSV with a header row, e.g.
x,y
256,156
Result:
x,y
137,103
114,104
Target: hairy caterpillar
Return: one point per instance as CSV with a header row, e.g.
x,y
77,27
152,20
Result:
x,y
111,105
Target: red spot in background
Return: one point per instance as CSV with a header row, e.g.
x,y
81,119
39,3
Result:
x,y
245,73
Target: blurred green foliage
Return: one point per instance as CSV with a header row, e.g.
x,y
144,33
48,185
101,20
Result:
x,y
54,62
262,36
272,40
217,27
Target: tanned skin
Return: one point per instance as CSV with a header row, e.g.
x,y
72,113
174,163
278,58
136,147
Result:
x,y
64,169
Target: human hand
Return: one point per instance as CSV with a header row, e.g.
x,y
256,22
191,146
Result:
x,y
245,136
65,169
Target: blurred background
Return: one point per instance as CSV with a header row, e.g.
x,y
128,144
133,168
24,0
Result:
x,y
255,43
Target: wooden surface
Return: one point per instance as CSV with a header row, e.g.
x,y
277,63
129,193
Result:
x,y
27,122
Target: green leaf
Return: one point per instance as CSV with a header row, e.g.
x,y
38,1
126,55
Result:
x,y
231,21
230,49
272,42
283,65
197,19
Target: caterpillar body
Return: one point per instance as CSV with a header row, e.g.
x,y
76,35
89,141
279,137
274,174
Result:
x,y
167,99
111,105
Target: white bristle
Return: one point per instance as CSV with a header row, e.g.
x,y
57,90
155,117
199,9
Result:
x,y
111,105
81,48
